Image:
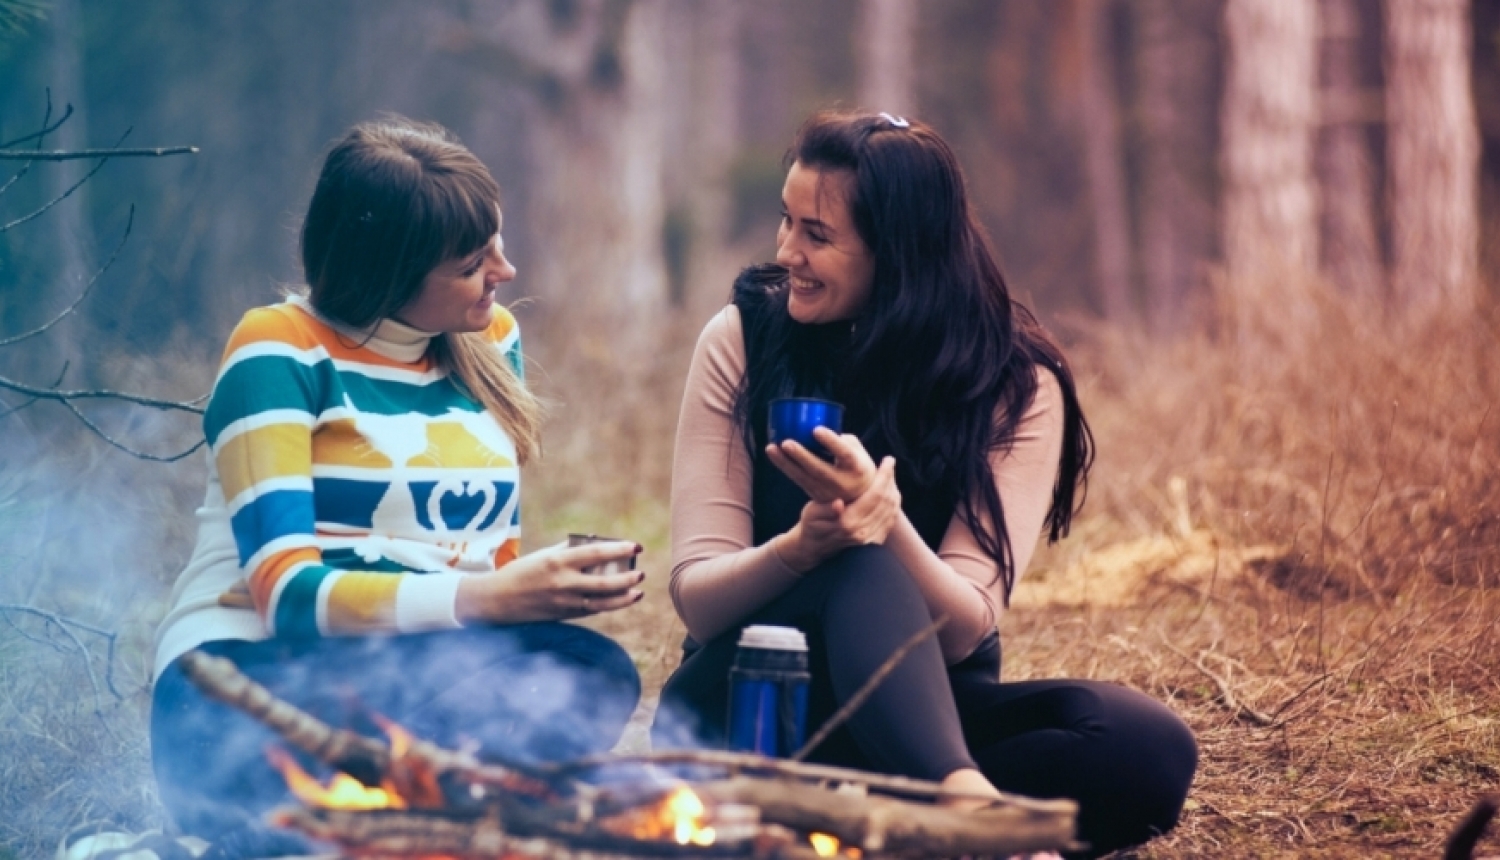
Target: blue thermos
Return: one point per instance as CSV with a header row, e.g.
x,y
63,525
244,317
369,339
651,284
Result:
x,y
768,691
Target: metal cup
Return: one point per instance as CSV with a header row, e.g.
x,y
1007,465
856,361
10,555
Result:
x,y
608,566
796,417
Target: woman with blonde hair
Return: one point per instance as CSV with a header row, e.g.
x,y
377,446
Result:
x,y
359,547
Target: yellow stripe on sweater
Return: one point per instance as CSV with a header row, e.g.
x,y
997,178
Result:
x,y
273,451
362,603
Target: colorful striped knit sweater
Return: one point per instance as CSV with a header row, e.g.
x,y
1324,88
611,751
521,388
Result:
x,y
360,484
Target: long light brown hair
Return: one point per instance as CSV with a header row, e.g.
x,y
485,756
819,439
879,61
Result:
x,y
396,199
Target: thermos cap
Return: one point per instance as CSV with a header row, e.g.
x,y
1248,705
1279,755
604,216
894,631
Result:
x,y
771,638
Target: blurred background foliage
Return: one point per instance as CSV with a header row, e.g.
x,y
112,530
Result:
x,y
1158,176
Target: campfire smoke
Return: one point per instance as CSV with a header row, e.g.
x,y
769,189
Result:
x,y
412,800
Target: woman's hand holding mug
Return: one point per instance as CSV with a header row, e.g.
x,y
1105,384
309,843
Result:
x,y
847,477
552,584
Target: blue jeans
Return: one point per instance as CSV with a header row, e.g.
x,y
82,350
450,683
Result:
x,y
528,692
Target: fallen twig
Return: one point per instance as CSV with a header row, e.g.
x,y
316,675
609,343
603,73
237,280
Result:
x,y
1226,695
868,688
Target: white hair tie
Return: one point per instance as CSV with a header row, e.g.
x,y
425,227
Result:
x,y
895,121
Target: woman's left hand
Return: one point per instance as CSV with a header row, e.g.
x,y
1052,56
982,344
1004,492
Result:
x,y
845,479
825,528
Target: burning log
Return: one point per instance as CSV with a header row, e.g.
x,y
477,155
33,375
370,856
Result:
x,y
463,808
415,771
886,826
424,834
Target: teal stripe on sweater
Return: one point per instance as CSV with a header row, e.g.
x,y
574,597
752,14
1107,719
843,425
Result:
x,y
297,608
266,383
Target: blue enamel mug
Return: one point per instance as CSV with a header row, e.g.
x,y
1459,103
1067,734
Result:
x,y
796,417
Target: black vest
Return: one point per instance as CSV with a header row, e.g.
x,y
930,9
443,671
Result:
x,y
820,353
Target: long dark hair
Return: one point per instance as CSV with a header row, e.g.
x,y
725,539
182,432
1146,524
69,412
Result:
x,y
940,367
394,200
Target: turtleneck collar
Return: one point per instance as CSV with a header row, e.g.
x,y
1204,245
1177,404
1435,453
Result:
x,y
388,337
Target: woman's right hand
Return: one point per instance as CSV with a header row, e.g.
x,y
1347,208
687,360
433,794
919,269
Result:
x,y
550,584
850,473
825,528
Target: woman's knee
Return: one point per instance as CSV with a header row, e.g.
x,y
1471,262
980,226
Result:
x,y
862,576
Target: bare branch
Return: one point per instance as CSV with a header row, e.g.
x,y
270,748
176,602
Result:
x,y
66,625
129,222
46,129
868,689
103,394
156,458
15,177
38,136
63,196
76,154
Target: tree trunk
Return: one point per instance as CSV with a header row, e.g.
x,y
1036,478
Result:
x,y
1099,126
1270,219
702,148
884,44
595,199
1176,61
1433,155
1351,256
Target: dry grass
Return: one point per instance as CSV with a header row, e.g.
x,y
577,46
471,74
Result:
x,y
1296,545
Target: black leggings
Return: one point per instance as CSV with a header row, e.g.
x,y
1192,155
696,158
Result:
x,y
545,691
1125,758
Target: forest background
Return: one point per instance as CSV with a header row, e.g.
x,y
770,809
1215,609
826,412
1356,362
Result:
x,y
1267,230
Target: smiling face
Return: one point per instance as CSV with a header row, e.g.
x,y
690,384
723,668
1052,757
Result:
x,y
459,295
831,268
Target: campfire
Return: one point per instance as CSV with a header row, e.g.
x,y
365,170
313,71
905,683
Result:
x,y
404,797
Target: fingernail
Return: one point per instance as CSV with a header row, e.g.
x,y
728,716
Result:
x,y
639,549
638,596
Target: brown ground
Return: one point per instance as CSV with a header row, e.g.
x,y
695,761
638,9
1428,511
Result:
x,y
1295,544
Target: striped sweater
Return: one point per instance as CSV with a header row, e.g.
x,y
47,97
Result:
x,y
360,486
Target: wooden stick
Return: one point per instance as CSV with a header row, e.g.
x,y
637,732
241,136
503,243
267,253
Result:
x,y
74,154
395,833
737,763
867,689
366,759
882,825
1465,836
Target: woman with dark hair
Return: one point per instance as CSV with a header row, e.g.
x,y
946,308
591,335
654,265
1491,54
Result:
x,y
359,546
963,441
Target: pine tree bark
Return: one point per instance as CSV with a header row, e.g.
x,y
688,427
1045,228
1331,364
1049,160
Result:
x,y
1350,241
1432,147
596,130
1270,217
1176,63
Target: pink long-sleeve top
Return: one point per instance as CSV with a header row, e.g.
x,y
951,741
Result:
x,y
719,577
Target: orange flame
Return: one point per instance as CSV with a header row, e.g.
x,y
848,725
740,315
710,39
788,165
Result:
x,y
687,813
679,816
340,792
827,845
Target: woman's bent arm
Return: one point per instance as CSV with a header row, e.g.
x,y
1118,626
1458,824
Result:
x,y
718,577
960,579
